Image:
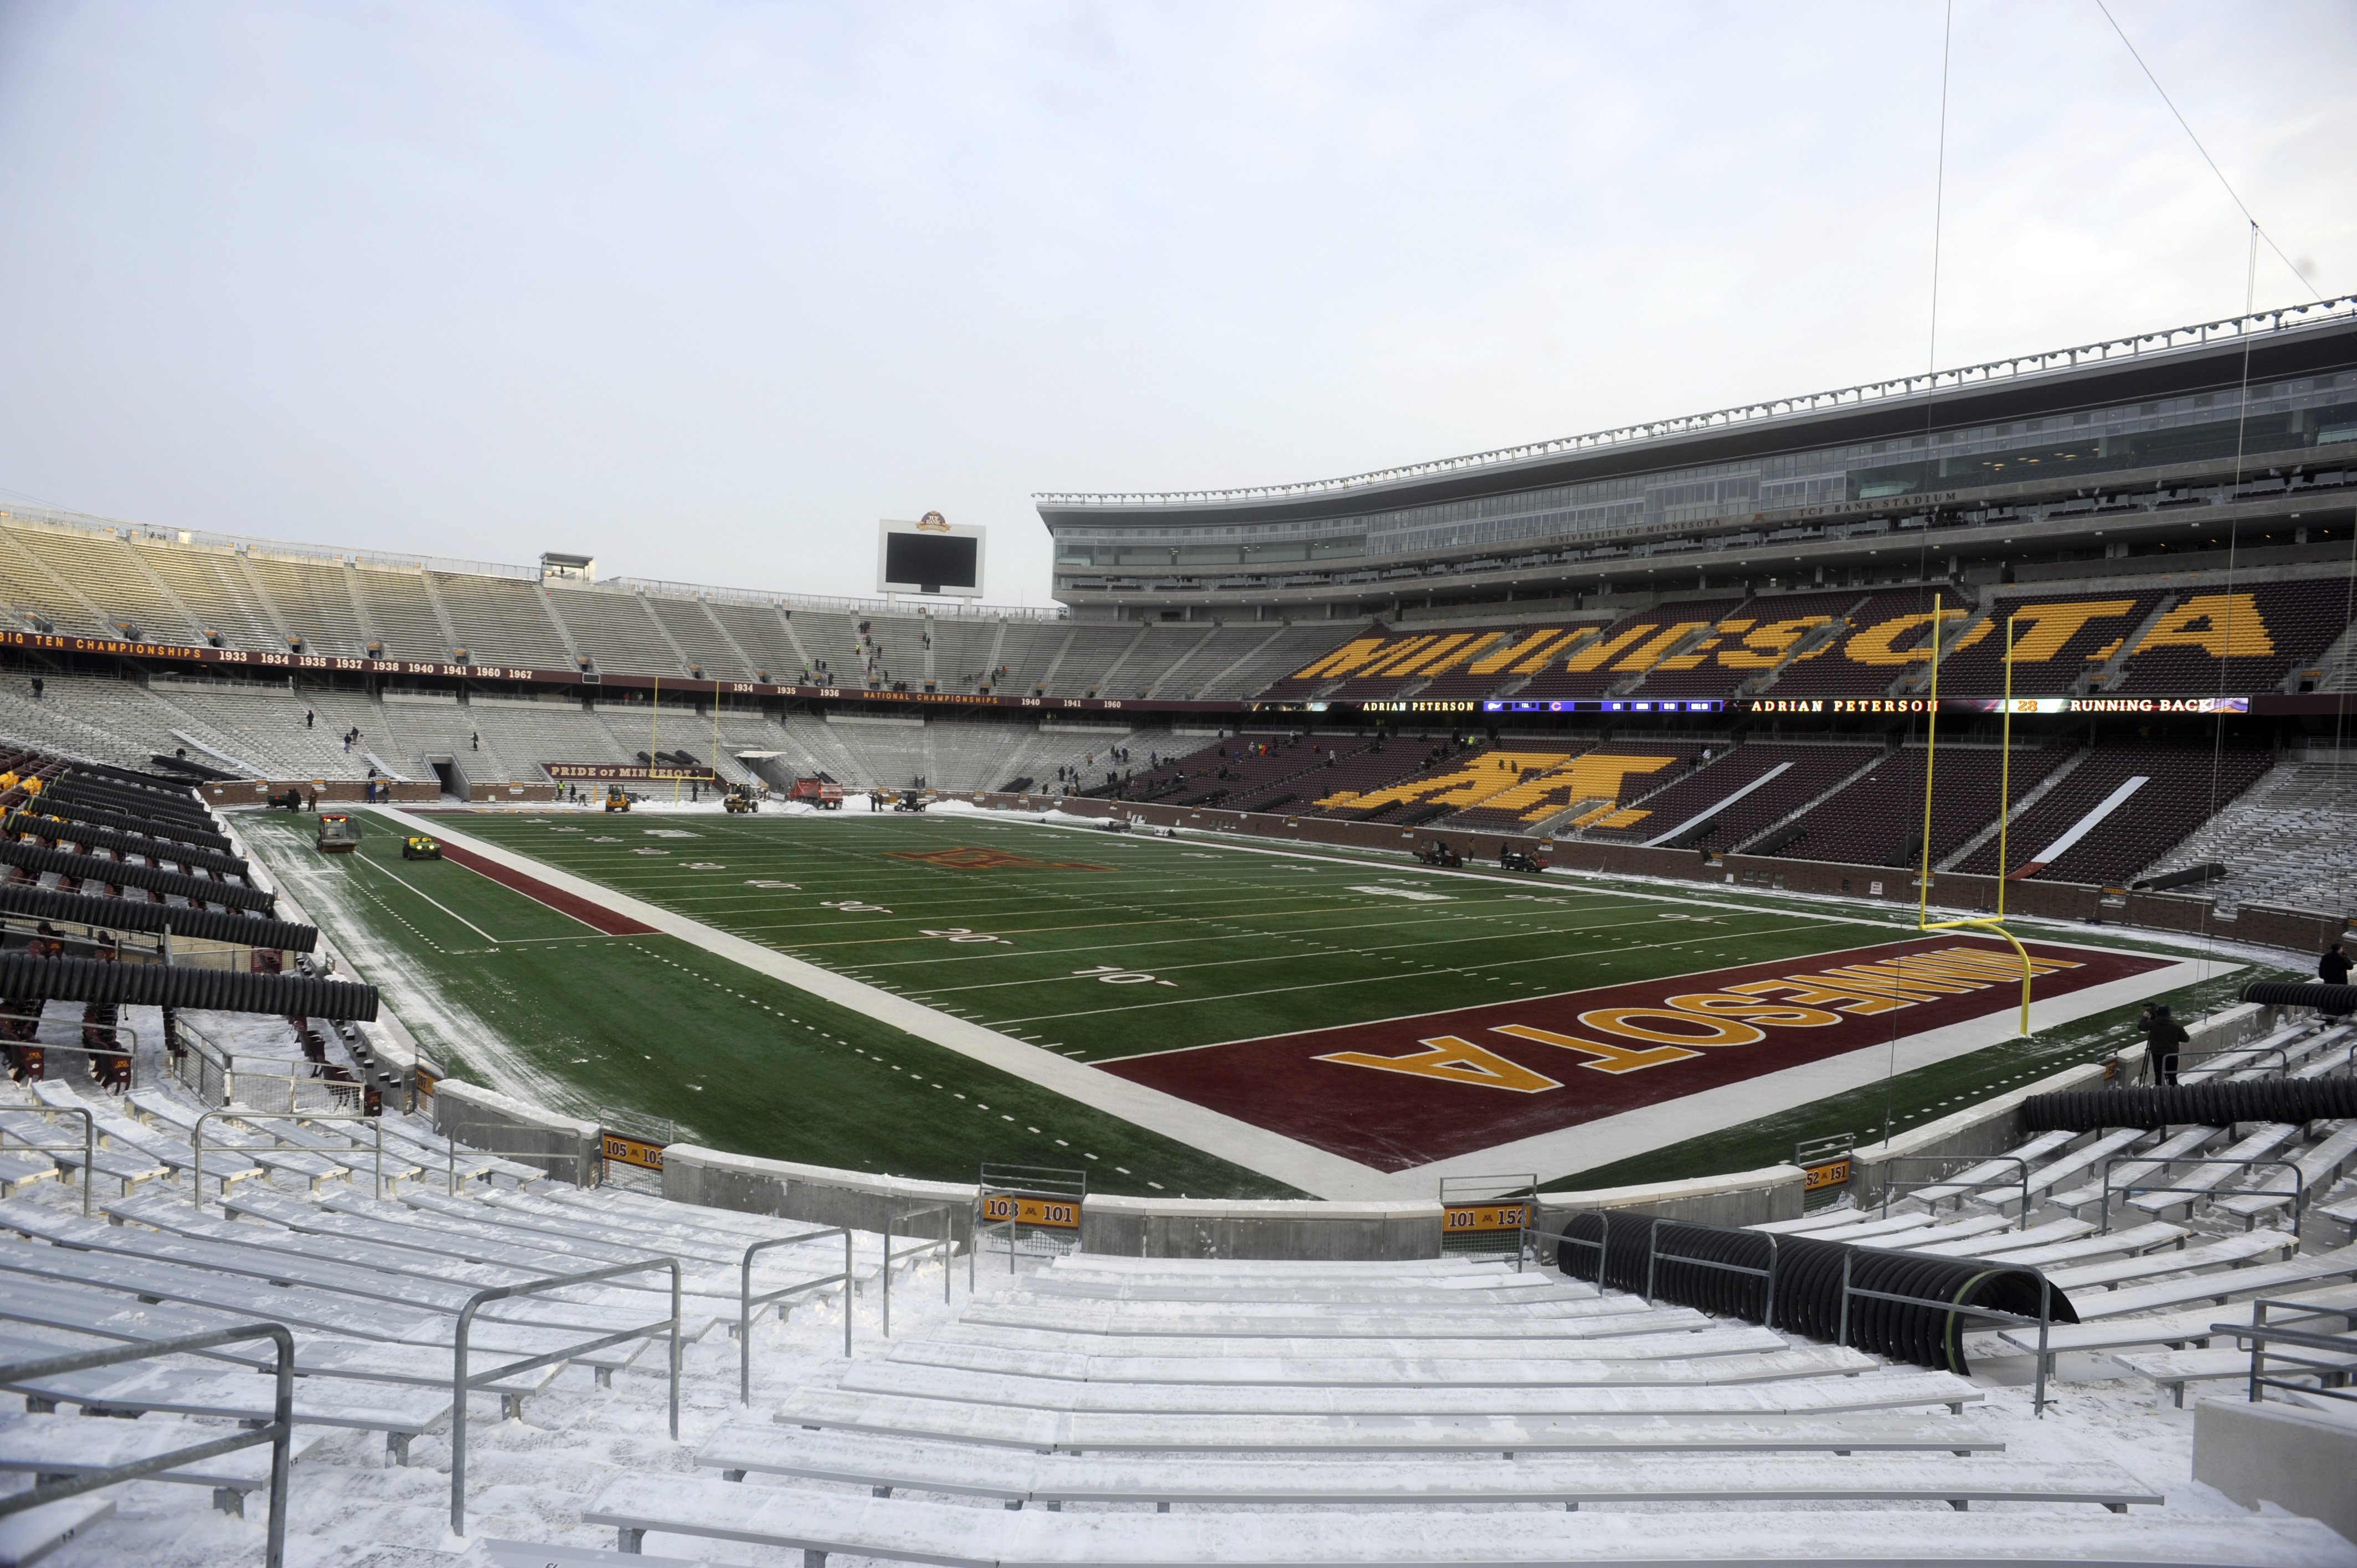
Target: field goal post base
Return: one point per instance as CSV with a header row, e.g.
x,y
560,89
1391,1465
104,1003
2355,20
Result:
x,y
1035,1209
1487,1216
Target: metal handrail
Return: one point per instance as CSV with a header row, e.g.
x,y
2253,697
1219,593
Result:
x,y
2298,1194
1888,1186
196,1143
2282,1056
2044,1320
278,1432
946,1246
89,1144
747,1301
460,1381
2258,1333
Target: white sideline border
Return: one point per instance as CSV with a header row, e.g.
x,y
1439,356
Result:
x,y
1567,1151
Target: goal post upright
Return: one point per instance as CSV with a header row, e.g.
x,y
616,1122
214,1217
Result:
x,y
1923,921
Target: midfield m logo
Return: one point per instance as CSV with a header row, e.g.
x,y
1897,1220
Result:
x,y
1402,1092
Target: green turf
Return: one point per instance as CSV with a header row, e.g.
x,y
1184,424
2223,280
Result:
x,y
512,993
1234,943
1230,943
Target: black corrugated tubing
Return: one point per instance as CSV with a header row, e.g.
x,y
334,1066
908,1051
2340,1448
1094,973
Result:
x,y
2206,1104
1808,1290
25,978
123,874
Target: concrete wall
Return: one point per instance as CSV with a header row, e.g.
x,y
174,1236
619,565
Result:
x,y
223,797
813,1193
1210,1228
2296,1459
564,1146
1192,1228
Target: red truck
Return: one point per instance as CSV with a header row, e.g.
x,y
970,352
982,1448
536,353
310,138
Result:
x,y
824,793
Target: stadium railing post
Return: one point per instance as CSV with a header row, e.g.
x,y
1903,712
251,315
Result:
x,y
462,1381
747,1301
278,1431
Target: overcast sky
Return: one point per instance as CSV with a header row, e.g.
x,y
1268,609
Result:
x,y
707,289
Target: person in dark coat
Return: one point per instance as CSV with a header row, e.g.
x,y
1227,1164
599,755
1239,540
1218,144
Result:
x,y
2164,1036
2333,967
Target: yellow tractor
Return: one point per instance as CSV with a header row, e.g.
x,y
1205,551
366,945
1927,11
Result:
x,y
617,797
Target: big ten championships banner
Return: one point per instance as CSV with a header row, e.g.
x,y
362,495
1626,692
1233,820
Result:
x,y
626,773
1571,1080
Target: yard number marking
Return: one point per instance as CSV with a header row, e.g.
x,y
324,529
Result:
x,y
1112,974
960,934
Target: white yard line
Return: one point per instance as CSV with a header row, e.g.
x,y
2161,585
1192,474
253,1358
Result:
x,y
1255,1148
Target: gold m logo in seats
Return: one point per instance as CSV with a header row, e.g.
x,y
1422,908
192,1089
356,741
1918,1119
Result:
x,y
1457,1061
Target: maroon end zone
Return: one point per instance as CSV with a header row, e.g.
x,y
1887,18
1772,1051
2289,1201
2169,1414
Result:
x,y
1407,1091
594,916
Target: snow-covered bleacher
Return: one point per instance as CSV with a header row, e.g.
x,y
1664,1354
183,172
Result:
x,y
369,1261
1429,1412
2158,1236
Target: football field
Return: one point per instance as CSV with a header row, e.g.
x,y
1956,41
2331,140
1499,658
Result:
x,y
1177,1014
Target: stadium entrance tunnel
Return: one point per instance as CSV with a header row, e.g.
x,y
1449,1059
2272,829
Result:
x,y
1796,1284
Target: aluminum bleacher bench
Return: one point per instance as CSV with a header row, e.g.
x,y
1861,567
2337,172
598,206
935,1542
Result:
x,y
1636,1361
1298,1418
953,1535
1305,1344
175,1153
2183,1144
1724,1382
399,1413
886,1465
106,1314
562,1307
2189,1327
536,1554
2220,1287
20,1168
404,1232
2230,1251
2137,1239
34,1533
299,1307
2318,1167
2088,1156
62,1144
1984,1244
46,1445
2345,1213
2205,1179
1018,1309
1995,1175
2173,1370
370,1282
